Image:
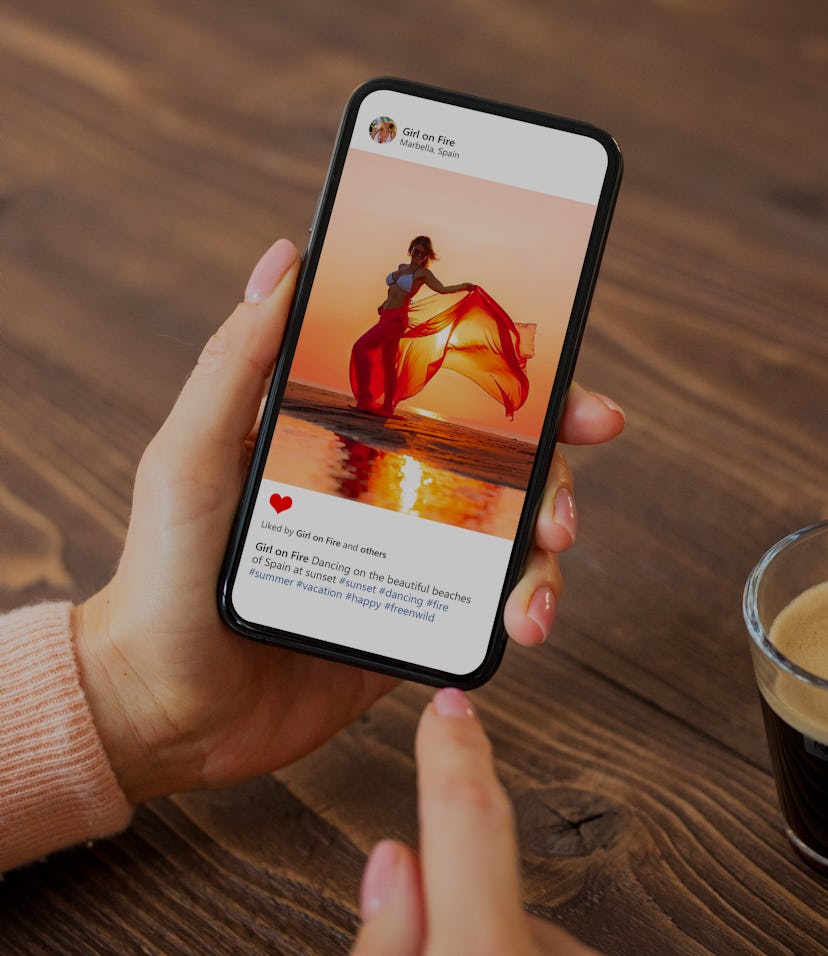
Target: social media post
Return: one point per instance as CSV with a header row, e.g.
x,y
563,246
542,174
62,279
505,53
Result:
x,y
415,399
497,148
356,576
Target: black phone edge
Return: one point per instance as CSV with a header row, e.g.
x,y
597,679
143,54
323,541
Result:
x,y
546,442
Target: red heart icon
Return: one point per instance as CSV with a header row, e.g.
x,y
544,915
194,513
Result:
x,y
280,504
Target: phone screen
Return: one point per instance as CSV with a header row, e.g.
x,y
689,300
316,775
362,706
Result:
x,y
435,318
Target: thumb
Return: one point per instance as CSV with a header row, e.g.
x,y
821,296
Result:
x,y
391,903
219,402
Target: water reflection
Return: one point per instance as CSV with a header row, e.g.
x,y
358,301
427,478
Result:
x,y
319,459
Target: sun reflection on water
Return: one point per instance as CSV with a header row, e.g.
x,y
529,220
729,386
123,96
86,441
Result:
x,y
410,481
310,456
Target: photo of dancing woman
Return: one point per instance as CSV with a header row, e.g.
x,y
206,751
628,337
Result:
x,y
400,354
371,411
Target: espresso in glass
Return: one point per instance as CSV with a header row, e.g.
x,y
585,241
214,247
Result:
x,y
797,729
786,611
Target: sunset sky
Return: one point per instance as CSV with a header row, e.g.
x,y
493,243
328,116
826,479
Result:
x,y
524,248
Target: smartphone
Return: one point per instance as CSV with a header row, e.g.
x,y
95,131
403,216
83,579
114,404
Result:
x,y
411,419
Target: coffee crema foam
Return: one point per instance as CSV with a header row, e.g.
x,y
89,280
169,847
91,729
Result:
x,y
800,632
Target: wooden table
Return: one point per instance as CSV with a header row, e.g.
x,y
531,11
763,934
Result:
x,y
149,152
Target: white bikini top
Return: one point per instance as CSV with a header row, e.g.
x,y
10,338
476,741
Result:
x,y
405,282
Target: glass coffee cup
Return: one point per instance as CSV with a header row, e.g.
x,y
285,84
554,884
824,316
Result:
x,y
786,611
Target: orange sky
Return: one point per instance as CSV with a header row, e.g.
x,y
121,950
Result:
x,y
524,248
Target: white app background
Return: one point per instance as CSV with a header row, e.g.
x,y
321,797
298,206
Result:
x,y
418,591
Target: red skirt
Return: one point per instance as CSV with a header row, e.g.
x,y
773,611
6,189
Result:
x,y
473,336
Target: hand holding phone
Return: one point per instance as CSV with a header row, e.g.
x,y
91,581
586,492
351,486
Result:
x,y
402,455
178,700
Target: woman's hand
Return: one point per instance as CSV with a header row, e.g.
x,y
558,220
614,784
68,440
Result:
x,y
180,701
462,894
588,419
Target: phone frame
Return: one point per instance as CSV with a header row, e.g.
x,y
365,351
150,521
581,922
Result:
x,y
546,441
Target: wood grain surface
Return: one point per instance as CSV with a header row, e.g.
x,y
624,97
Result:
x,y
149,152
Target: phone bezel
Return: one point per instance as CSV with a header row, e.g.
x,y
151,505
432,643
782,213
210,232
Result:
x,y
546,443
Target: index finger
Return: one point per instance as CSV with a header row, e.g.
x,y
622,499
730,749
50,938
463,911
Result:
x,y
589,418
467,835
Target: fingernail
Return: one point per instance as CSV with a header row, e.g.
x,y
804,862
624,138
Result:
x,y
451,702
378,879
610,404
269,270
565,513
542,610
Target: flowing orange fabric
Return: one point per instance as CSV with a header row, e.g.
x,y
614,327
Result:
x,y
473,336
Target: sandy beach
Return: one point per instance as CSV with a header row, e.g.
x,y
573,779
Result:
x,y
457,448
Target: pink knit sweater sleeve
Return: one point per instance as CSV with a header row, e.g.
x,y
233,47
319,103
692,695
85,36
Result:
x,y
56,784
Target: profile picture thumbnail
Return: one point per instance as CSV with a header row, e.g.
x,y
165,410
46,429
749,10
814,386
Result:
x,y
382,129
